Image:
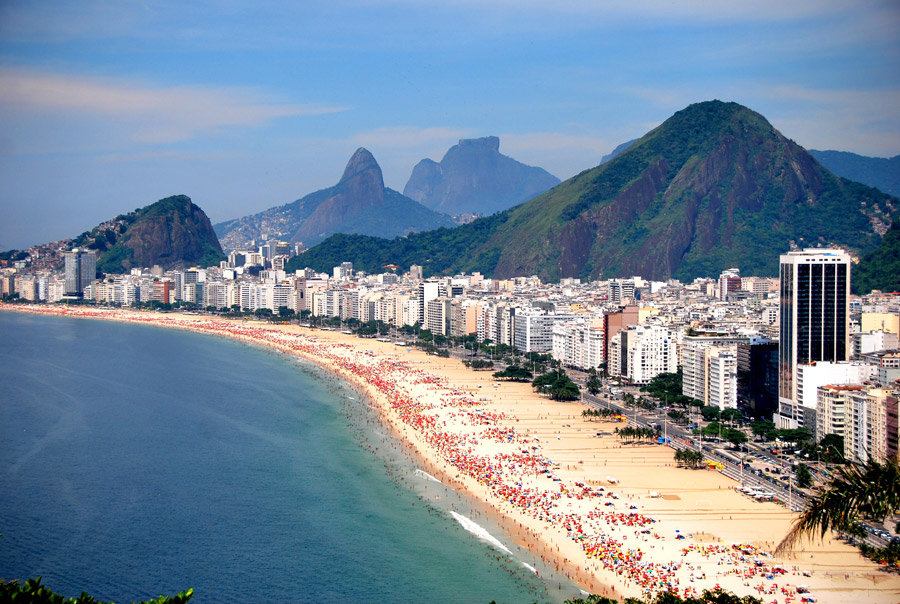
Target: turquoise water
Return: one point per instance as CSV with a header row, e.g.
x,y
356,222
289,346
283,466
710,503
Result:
x,y
138,461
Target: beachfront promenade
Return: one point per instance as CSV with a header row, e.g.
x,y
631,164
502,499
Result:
x,y
617,519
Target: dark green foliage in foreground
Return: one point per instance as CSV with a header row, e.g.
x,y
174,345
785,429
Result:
x,y
859,491
881,268
32,592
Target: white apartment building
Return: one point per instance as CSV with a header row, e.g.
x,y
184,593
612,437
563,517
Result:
x,y
534,330
642,352
437,316
579,342
722,372
812,377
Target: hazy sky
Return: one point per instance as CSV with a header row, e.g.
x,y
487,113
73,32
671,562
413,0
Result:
x,y
108,106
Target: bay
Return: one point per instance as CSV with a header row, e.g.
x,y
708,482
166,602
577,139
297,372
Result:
x,y
138,461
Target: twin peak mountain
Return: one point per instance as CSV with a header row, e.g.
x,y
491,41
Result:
x,y
472,178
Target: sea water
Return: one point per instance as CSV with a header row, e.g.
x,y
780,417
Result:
x,y
137,461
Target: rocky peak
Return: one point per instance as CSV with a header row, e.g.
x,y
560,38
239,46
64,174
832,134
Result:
x,y
491,143
475,178
360,163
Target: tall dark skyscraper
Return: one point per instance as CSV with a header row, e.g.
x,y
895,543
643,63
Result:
x,y
814,319
81,266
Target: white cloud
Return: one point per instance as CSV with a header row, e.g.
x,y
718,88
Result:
x,y
146,113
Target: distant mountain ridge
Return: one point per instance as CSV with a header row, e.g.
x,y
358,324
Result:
x,y
358,203
714,186
878,172
173,232
617,151
475,178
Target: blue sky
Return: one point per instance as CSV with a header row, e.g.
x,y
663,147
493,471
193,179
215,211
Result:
x,y
108,106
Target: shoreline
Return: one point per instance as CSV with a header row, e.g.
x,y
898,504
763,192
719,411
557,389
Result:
x,y
496,444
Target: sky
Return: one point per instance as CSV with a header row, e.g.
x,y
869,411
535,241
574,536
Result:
x,y
107,106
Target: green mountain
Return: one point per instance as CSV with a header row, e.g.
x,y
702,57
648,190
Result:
x,y
475,178
878,172
171,232
715,186
880,269
358,203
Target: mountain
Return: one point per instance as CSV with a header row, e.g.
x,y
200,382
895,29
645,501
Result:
x,y
475,178
171,232
878,172
617,151
715,186
358,203
881,268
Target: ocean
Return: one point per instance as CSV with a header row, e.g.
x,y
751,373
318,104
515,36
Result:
x,y
137,461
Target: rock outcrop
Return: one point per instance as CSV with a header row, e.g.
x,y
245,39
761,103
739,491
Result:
x,y
359,203
173,232
475,178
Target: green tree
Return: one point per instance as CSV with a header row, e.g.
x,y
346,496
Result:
x,y
731,415
764,429
594,384
557,384
514,373
734,436
710,413
804,476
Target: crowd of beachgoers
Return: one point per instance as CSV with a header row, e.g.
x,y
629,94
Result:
x,y
620,546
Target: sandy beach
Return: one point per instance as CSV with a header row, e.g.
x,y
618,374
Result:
x,y
618,519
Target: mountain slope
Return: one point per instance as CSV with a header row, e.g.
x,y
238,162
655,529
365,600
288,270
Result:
x,y
714,186
878,172
171,232
475,178
881,268
358,203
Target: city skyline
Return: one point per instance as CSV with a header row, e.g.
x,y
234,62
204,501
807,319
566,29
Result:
x,y
111,106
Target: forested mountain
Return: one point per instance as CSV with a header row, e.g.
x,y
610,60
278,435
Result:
x,y
715,186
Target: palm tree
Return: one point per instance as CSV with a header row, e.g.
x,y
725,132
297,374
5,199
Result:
x,y
870,490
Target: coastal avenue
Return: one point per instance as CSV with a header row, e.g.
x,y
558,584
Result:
x,y
679,438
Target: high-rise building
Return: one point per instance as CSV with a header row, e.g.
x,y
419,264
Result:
x,y
81,268
814,319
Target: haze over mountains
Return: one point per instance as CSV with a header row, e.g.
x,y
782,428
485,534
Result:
x,y
881,173
475,178
358,203
714,186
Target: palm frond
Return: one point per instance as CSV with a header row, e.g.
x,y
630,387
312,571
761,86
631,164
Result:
x,y
870,490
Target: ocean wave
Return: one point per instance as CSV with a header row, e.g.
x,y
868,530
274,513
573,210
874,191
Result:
x,y
425,474
480,532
